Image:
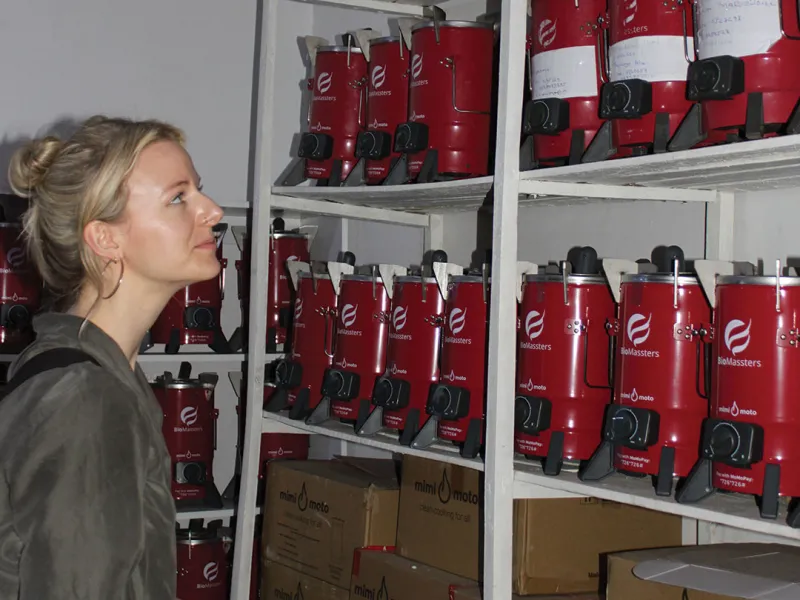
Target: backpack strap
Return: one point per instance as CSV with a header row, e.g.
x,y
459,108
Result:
x,y
56,358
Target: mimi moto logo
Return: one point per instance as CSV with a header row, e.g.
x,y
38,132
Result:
x,y
370,593
445,491
303,501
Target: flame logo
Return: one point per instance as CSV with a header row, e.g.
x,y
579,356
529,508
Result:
x,y
416,66
15,257
378,76
299,593
189,416
534,324
383,593
302,498
458,320
324,82
547,32
399,317
445,489
737,336
349,313
211,571
639,328
634,395
735,409
632,7
298,308
529,387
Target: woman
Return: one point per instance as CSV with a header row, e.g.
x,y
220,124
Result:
x,y
117,224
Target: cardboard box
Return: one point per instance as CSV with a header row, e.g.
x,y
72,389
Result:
x,y
318,512
386,576
282,583
713,572
557,543
473,592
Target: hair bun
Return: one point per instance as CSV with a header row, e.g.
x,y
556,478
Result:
x,y
30,163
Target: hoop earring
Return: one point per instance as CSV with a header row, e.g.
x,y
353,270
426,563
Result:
x,y
119,281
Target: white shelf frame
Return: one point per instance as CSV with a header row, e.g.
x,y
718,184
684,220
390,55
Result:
x,y
506,478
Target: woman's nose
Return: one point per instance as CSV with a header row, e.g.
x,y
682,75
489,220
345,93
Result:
x,y
210,212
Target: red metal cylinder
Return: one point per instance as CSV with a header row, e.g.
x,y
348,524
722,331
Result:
x,y
189,428
563,361
360,344
766,37
412,357
283,247
659,368
314,325
756,378
459,399
202,565
451,93
653,42
20,290
338,106
567,68
387,106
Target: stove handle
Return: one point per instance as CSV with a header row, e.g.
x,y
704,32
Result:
x,y
437,321
215,415
586,362
529,62
310,102
223,267
704,349
602,48
450,63
612,329
330,315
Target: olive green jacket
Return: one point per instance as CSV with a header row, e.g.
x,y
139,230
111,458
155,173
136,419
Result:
x,y
85,506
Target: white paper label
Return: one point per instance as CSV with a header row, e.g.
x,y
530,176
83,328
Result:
x,y
651,57
565,73
737,27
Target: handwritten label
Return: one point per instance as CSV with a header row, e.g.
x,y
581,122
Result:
x,y
737,27
565,73
652,58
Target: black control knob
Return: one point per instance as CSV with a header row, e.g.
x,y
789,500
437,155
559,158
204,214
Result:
x,y
281,373
203,318
278,224
333,384
439,256
724,441
522,411
440,401
194,473
349,258
382,393
18,316
623,425
619,97
708,76
539,114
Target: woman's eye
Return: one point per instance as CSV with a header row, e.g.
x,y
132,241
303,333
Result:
x,y
200,188
177,199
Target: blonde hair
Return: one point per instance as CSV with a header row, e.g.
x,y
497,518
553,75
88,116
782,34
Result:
x,y
72,183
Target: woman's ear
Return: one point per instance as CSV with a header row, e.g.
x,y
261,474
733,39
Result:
x,y
102,238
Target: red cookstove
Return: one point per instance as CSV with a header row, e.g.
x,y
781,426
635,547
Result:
x,y
749,442
202,562
653,426
412,357
447,134
337,114
567,66
563,362
284,246
21,290
387,107
190,431
745,78
192,316
297,379
456,404
359,355
651,46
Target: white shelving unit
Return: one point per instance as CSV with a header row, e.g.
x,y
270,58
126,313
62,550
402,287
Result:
x,y
710,176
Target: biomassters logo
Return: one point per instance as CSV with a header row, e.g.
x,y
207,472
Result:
x,y
304,502
445,491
